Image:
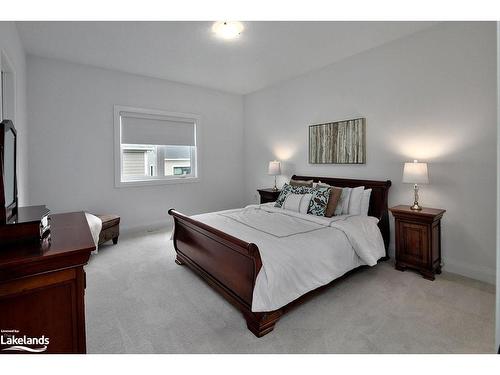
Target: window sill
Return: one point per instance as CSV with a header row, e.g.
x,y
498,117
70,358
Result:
x,y
170,181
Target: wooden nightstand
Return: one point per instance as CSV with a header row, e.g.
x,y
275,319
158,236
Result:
x,y
418,239
268,195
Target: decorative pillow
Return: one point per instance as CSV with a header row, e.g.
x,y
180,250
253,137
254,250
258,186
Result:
x,y
307,183
281,198
333,201
287,189
355,200
365,202
343,204
319,201
297,202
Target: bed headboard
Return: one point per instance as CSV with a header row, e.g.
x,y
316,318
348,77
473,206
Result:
x,y
378,198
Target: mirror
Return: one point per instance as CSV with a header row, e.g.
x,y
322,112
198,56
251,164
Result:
x,y
10,167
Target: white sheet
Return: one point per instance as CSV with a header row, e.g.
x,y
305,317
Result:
x,y
95,225
299,252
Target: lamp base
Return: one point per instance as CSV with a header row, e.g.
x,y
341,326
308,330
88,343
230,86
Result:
x,y
275,187
416,207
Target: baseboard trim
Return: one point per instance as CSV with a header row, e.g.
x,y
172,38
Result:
x,y
150,227
484,274
481,273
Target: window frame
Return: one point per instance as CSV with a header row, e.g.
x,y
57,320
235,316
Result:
x,y
156,180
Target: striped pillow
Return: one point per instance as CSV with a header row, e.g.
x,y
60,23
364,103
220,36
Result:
x,y
319,199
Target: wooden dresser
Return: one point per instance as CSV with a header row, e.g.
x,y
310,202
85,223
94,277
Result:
x,y
418,239
42,289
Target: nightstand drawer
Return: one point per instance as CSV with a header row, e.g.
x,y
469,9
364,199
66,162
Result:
x,y
413,242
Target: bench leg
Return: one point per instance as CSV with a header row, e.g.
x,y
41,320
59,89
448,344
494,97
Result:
x,y
115,240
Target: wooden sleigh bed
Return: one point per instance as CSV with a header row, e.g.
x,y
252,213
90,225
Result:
x,y
231,265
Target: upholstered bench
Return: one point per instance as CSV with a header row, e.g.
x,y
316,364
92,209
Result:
x,y
110,228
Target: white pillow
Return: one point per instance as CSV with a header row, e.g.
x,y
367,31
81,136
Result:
x,y
343,204
355,200
365,202
297,202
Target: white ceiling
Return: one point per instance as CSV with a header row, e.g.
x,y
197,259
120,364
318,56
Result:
x,y
188,52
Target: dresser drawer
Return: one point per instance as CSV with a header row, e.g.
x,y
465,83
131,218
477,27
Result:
x,y
413,243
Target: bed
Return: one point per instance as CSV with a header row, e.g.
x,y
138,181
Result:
x,y
265,260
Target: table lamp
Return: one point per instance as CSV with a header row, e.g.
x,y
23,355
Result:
x,y
274,170
415,173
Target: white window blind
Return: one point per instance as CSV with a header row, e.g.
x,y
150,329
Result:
x,y
156,130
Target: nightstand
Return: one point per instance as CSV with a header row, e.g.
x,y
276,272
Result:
x,y
268,195
418,239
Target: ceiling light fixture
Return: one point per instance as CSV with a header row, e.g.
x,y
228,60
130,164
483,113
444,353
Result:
x,y
227,29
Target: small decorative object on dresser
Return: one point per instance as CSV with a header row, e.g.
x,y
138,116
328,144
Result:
x,y
268,195
415,173
274,169
418,239
29,224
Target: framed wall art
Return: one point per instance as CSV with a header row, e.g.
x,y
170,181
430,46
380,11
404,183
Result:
x,y
340,142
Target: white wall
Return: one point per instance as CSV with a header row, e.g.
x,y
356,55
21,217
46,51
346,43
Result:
x,y
71,143
429,96
10,44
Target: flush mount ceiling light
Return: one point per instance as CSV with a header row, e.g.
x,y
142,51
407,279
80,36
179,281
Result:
x,y
227,29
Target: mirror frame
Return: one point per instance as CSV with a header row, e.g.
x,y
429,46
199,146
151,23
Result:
x,y
7,212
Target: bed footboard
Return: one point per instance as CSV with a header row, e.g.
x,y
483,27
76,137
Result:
x,y
227,263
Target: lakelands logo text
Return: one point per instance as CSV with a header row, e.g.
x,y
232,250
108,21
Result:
x,y
22,343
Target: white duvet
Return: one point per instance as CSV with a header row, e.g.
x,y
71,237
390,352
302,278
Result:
x,y
299,252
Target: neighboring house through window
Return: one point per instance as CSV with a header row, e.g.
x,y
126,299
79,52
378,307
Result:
x,y
154,146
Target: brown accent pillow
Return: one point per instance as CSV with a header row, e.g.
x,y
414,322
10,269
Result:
x,y
335,194
308,183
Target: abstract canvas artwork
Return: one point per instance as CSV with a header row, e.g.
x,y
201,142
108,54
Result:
x,y
341,142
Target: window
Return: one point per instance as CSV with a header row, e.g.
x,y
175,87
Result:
x,y
154,147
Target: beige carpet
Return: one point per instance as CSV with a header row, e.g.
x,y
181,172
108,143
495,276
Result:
x,y
139,301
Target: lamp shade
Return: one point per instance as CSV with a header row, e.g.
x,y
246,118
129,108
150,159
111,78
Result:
x,y
274,168
415,173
